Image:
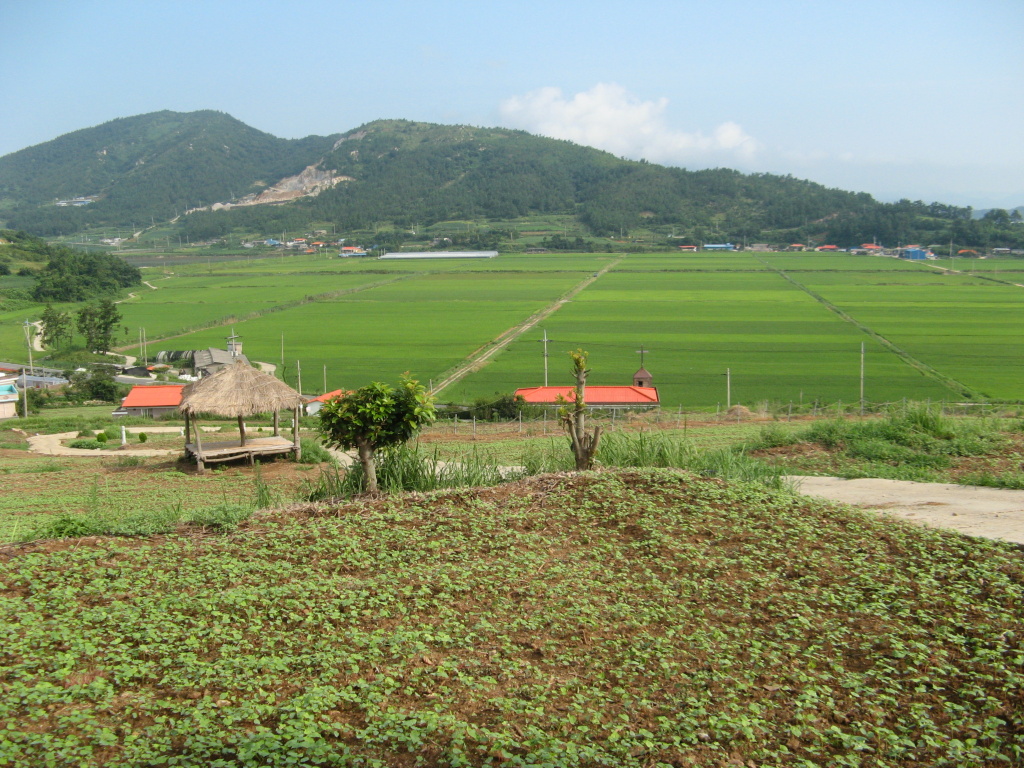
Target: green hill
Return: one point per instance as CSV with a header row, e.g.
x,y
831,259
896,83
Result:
x,y
402,174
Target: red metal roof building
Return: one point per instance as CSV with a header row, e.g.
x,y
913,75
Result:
x,y
314,405
593,396
151,400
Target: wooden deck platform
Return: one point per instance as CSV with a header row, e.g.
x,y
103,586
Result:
x,y
210,452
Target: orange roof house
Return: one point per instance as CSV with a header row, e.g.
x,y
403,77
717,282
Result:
x,y
151,400
593,396
315,404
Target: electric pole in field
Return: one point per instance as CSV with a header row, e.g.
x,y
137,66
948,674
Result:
x,y
545,342
862,378
728,388
28,341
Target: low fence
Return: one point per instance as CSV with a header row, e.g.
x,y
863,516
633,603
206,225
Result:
x,y
537,422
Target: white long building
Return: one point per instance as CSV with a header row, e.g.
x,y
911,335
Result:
x,y
440,255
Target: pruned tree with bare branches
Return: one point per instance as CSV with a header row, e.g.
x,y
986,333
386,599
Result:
x,y
574,416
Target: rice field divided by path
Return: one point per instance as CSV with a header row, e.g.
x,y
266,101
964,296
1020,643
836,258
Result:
x,y
787,327
776,342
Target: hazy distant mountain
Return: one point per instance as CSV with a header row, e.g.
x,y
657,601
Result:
x,y
408,174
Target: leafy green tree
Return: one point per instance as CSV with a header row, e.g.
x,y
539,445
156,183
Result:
x,y
78,276
503,407
98,323
57,326
37,398
574,416
376,416
98,385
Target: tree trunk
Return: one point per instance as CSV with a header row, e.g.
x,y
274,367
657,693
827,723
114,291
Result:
x,y
369,470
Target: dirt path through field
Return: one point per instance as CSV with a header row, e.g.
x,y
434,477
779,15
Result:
x,y
992,513
480,358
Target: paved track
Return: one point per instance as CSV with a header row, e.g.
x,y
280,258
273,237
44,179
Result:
x,y
992,513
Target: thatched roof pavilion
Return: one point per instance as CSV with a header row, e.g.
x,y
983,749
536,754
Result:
x,y
239,391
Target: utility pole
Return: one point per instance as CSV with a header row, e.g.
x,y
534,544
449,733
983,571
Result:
x,y
545,341
298,373
728,388
325,378
24,394
28,341
862,378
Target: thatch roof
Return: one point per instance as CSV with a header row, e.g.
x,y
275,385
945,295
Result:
x,y
238,390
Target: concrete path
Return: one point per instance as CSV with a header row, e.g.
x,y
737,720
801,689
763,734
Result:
x,y
50,445
992,513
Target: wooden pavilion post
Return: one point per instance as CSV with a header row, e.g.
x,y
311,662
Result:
x,y
199,450
188,433
277,423
241,429
295,433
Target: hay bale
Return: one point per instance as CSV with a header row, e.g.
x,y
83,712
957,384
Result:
x,y
740,413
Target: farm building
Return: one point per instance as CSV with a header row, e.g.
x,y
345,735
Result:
x,y
151,400
915,253
8,397
624,398
313,406
204,362
719,247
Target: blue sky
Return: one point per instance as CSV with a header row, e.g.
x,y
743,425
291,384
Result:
x,y
903,98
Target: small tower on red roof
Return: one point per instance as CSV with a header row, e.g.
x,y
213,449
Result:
x,y
642,378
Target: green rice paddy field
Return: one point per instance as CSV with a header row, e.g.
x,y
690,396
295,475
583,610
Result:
x,y
787,327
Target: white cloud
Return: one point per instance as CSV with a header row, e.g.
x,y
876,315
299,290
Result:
x,y
611,118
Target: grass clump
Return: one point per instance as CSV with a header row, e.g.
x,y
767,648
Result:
x,y
656,449
915,442
89,443
313,452
408,468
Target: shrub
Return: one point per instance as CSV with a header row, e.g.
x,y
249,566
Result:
x,y
91,444
313,452
143,437
102,437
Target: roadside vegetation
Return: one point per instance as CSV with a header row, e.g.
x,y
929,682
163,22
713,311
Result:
x,y
908,443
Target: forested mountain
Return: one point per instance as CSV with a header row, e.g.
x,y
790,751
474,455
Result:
x,y
146,167
403,174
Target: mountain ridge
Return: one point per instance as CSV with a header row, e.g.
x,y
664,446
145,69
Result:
x,y
406,173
